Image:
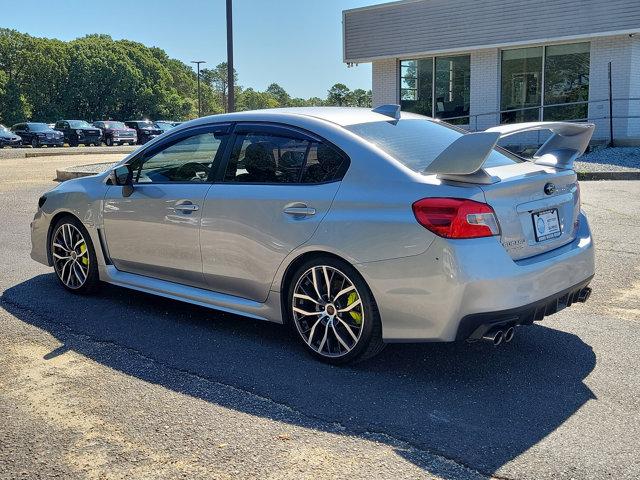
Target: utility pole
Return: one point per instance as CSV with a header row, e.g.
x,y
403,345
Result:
x,y
231,102
198,62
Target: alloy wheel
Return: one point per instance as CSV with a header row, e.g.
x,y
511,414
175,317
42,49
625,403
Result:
x,y
70,256
328,311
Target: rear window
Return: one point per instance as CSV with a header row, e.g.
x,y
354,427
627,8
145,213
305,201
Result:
x,y
416,142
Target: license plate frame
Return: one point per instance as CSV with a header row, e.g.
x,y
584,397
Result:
x,y
546,224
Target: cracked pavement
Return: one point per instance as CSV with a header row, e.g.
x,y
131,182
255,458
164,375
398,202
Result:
x,y
126,385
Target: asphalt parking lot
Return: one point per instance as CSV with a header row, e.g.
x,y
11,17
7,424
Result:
x,y
123,384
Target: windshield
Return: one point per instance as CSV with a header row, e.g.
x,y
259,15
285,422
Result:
x,y
79,124
38,127
114,125
416,143
145,125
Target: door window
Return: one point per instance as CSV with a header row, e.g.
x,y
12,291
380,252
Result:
x,y
259,157
191,159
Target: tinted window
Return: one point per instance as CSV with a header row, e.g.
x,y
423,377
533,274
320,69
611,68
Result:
x,y
416,143
269,158
188,160
38,127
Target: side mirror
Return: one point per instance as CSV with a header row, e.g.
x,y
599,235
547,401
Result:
x,y
124,177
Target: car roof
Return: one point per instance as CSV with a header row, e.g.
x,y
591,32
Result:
x,y
343,116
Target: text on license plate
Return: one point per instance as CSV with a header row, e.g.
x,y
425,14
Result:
x,y
546,224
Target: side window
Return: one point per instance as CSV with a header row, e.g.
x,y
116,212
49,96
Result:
x,y
191,159
324,164
261,157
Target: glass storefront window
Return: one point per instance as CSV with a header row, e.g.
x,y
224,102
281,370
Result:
x,y
566,80
452,88
416,86
521,84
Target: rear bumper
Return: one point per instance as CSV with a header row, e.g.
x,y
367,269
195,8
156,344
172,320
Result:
x,y
474,326
428,296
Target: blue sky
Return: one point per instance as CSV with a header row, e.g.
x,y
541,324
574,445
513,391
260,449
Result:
x,y
297,44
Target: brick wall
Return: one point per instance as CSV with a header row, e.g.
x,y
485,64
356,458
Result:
x,y
385,82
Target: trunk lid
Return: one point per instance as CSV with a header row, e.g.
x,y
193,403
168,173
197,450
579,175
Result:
x,y
526,200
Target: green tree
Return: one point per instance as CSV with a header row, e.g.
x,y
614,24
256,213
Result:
x,y
250,99
338,95
359,98
218,80
279,93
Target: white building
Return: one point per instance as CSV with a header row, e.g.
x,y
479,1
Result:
x,y
483,62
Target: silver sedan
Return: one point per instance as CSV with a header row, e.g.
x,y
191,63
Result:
x,y
355,227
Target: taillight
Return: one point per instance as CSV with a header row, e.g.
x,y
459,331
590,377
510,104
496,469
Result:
x,y
456,217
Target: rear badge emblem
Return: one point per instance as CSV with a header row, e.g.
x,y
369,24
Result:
x,y
549,188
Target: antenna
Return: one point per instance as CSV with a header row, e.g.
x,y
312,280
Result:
x,y
391,110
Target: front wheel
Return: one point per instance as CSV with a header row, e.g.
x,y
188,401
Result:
x,y
73,255
334,312
35,143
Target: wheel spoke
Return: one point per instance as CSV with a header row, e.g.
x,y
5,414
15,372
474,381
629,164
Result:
x,y
314,281
324,338
57,245
305,297
339,338
348,329
327,282
342,292
60,257
348,308
75,272
313,330
304,313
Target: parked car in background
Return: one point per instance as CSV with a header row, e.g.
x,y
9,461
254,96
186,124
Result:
x,y
78,132
8,138
116,133
145,129
38,134
165,125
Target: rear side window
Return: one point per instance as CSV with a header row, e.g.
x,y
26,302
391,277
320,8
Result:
x,y
417,142
274,158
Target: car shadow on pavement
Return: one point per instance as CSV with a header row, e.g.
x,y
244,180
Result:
x,y
475,404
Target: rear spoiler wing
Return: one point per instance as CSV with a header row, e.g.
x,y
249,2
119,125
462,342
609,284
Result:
x,y
462,160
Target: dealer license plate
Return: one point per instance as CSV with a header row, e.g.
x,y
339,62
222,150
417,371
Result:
x,y
546,224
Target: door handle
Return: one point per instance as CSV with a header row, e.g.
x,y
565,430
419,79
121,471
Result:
x,y
185,207
299,210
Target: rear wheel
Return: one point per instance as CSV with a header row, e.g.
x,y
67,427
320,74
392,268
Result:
x,y
73,255
334,312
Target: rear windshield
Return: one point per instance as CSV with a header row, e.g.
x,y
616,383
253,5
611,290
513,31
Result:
x,y
114,125
38,127
416,142
79,124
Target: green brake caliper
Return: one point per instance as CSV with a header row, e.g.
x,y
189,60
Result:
x,y
83,249
357,316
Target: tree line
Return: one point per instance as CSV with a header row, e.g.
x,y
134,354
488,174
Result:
x,y
96,77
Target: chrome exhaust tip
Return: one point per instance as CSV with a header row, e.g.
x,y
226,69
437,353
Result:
x,y
494,336
508,334
584,295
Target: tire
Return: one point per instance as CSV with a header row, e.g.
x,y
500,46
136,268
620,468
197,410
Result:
x,y
35,143
72,143
72,272
109,142
351,337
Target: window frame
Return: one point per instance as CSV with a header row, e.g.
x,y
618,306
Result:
x,y
542,105
177,137
280,129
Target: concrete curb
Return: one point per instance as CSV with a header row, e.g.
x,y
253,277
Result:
x,y
591,176
69,173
